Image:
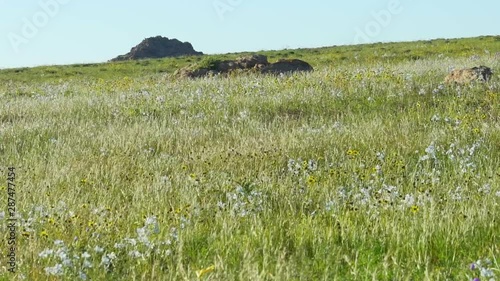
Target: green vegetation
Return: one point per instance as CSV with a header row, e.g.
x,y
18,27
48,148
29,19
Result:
x,y
368,168
319,57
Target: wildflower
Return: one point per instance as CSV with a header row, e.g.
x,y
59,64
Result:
x,y
380,156
352,152
98,249
201,272
87,264
184,222
85,255
52,221
131,241
46,253
194,177
329,206
174,234
142,235
164,179
107,259
312,165
486,272
152,223
44,233
135,254
82,275
221,204
311,180
409,200
414,209
293,166
485,189
56,270
431,149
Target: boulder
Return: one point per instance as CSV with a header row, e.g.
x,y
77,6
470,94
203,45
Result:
x,y
252,61
159,47
213,67
468,75
257,63
287,66
195,73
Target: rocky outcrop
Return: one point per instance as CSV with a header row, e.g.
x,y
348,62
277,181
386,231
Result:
x,y
287,66
159,47
255,63
468,75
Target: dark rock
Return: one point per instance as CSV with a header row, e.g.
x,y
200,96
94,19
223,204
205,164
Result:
x,y
196,73
256,63
468,75
287,66
252,61
213,67
159,47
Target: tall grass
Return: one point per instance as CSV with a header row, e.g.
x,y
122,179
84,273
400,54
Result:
x,y
359,172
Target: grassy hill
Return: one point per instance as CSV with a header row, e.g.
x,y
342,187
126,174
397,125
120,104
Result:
x,y
318,57
369,168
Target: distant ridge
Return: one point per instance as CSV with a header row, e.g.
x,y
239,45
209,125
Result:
x,y
159,47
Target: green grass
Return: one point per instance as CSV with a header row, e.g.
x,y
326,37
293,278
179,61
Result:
x,y
368,168
319,57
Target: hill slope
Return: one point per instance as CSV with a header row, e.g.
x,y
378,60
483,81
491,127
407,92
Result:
x,y
369,168
318,57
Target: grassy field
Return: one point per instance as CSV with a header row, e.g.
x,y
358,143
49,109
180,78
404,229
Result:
x,y
369,168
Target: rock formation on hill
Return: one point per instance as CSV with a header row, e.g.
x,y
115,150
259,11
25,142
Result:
x,y
287,66
468,75
255,63
159,47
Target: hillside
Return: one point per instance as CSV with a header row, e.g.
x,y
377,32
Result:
x,y
370,167
319,57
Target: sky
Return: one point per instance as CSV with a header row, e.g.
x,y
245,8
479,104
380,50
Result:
x,y
53,32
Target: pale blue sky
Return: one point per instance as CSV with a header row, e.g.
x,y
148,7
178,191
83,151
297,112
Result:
x,y
83,31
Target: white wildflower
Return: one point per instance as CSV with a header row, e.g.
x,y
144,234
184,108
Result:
x,y
98,249
56,270
46,253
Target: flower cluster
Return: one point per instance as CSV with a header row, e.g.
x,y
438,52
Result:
x,y
485,270
244,201
75,261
